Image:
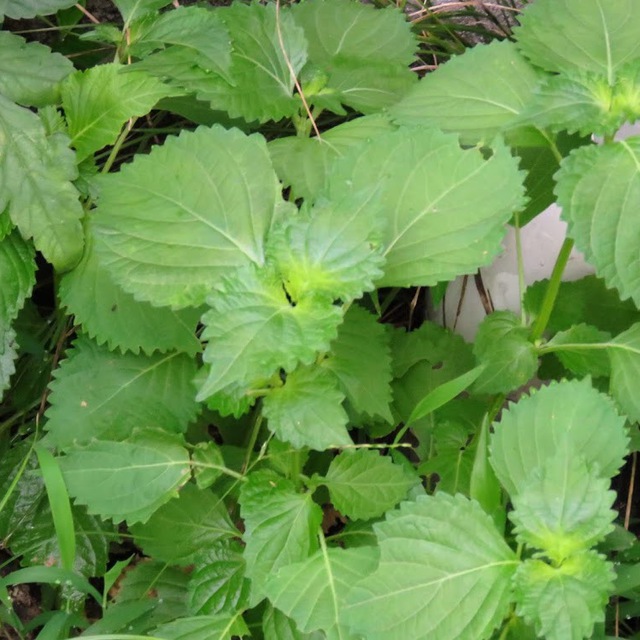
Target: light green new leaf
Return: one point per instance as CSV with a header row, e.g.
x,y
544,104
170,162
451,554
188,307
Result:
x,y
29,71
17,276
563,603
17,9
182,528
563,417
564,509
262,82
304,163
253,330
281,527
590,35
166,235
584,103
97,102
307,410
313,592
365,52
503,347
112,316
363,484
477,94
580,360
130,479
277,626
208,463
35,182
131,9
218,584
598,188
624,352
445,572
446,206
333,250
186,38
219,627
106,395
361,361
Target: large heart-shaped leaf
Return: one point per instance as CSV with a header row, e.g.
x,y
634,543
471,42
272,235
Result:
x,y
167,234
446,207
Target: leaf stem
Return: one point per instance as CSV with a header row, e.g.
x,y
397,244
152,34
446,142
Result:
x,y
553,288
253,438
520,260
116,147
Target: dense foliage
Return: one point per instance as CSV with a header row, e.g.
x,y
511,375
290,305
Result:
x,y
209,431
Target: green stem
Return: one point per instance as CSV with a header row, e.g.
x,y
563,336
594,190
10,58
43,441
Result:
x,y
253,438
551,293
520,259
116,147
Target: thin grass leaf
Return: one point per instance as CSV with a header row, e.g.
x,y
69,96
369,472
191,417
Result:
x,y
51,575
60,506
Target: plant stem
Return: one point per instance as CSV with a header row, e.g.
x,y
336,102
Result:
x,y
116,147
551,293
253,438
520,260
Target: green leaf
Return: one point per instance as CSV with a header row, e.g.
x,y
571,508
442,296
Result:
x,y
502,345
436,552
165,235
253,330
208,463
304,163
563,603
35,175
563,417
599,191
364,51
564,509
26,524
307,411
451,457
363,484
127,480
277,626
113,317
131,9
445,218
582,362
219,627
313,592
281,527
583,103
182,39
360,359
334,250
443,394
17,9
624,352
590,35
8,356
586,300
165,587
183,527
17,277
218,584
262,82
97,102
476,95
100,394
29,71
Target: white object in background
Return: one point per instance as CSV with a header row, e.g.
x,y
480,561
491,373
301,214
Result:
x,y
541,241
